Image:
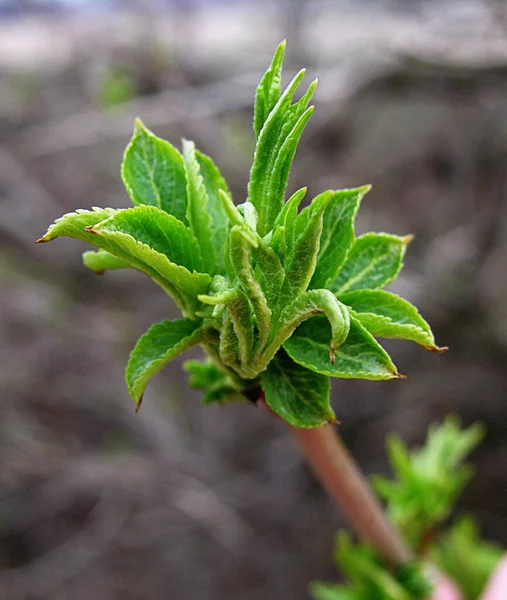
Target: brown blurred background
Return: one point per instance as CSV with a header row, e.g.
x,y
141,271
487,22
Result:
x,y
190,503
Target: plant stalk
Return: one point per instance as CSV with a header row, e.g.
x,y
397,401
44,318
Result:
x,y
339,474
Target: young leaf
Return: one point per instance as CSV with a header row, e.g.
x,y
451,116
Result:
x,y
279,125
159,237
100,261
360,356
213,182
229,350
270,275
153,173
240,257
302,255
279,173
283,230
312,303
373,262
208,377
172,278
197,208
332,591
269,90
337,234
298,395
74,224
158,230
385,314
156,348
466,558
428,480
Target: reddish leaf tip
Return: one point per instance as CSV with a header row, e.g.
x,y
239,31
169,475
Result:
x,y
41,240
332,357
138,405
437,349
399,376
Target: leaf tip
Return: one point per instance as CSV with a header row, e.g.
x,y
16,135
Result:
x,y
332,357
407,239
399,376
139,126
42,240
138,403
437,349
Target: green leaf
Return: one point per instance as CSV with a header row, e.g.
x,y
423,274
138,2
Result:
x,y
156,348
100,261
213,182
302,255
197,209
360,356
229,350
387,315
332,591
298,395
159,242
153,173
176,280
240,257
272,159
337,234
74,224
371,580
158,230
466,558
373,262
270,275
313,302
205,375
269,90
283,230
279,173
428,480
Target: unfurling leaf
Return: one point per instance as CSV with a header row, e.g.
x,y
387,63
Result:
x,y
208,377
385,314
158,230
74,224
153,173
275,149
466,558
269,89
428,480
337,234
312,303
214,182
197,207
156,348
100,261
374,261
302,255
360,356
298,395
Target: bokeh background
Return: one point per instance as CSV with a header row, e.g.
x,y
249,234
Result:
x,y
190,503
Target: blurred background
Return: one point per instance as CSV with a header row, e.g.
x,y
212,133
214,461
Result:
x,y
193,503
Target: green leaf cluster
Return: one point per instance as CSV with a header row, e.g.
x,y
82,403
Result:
x,y
428,480
280,298
427,483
